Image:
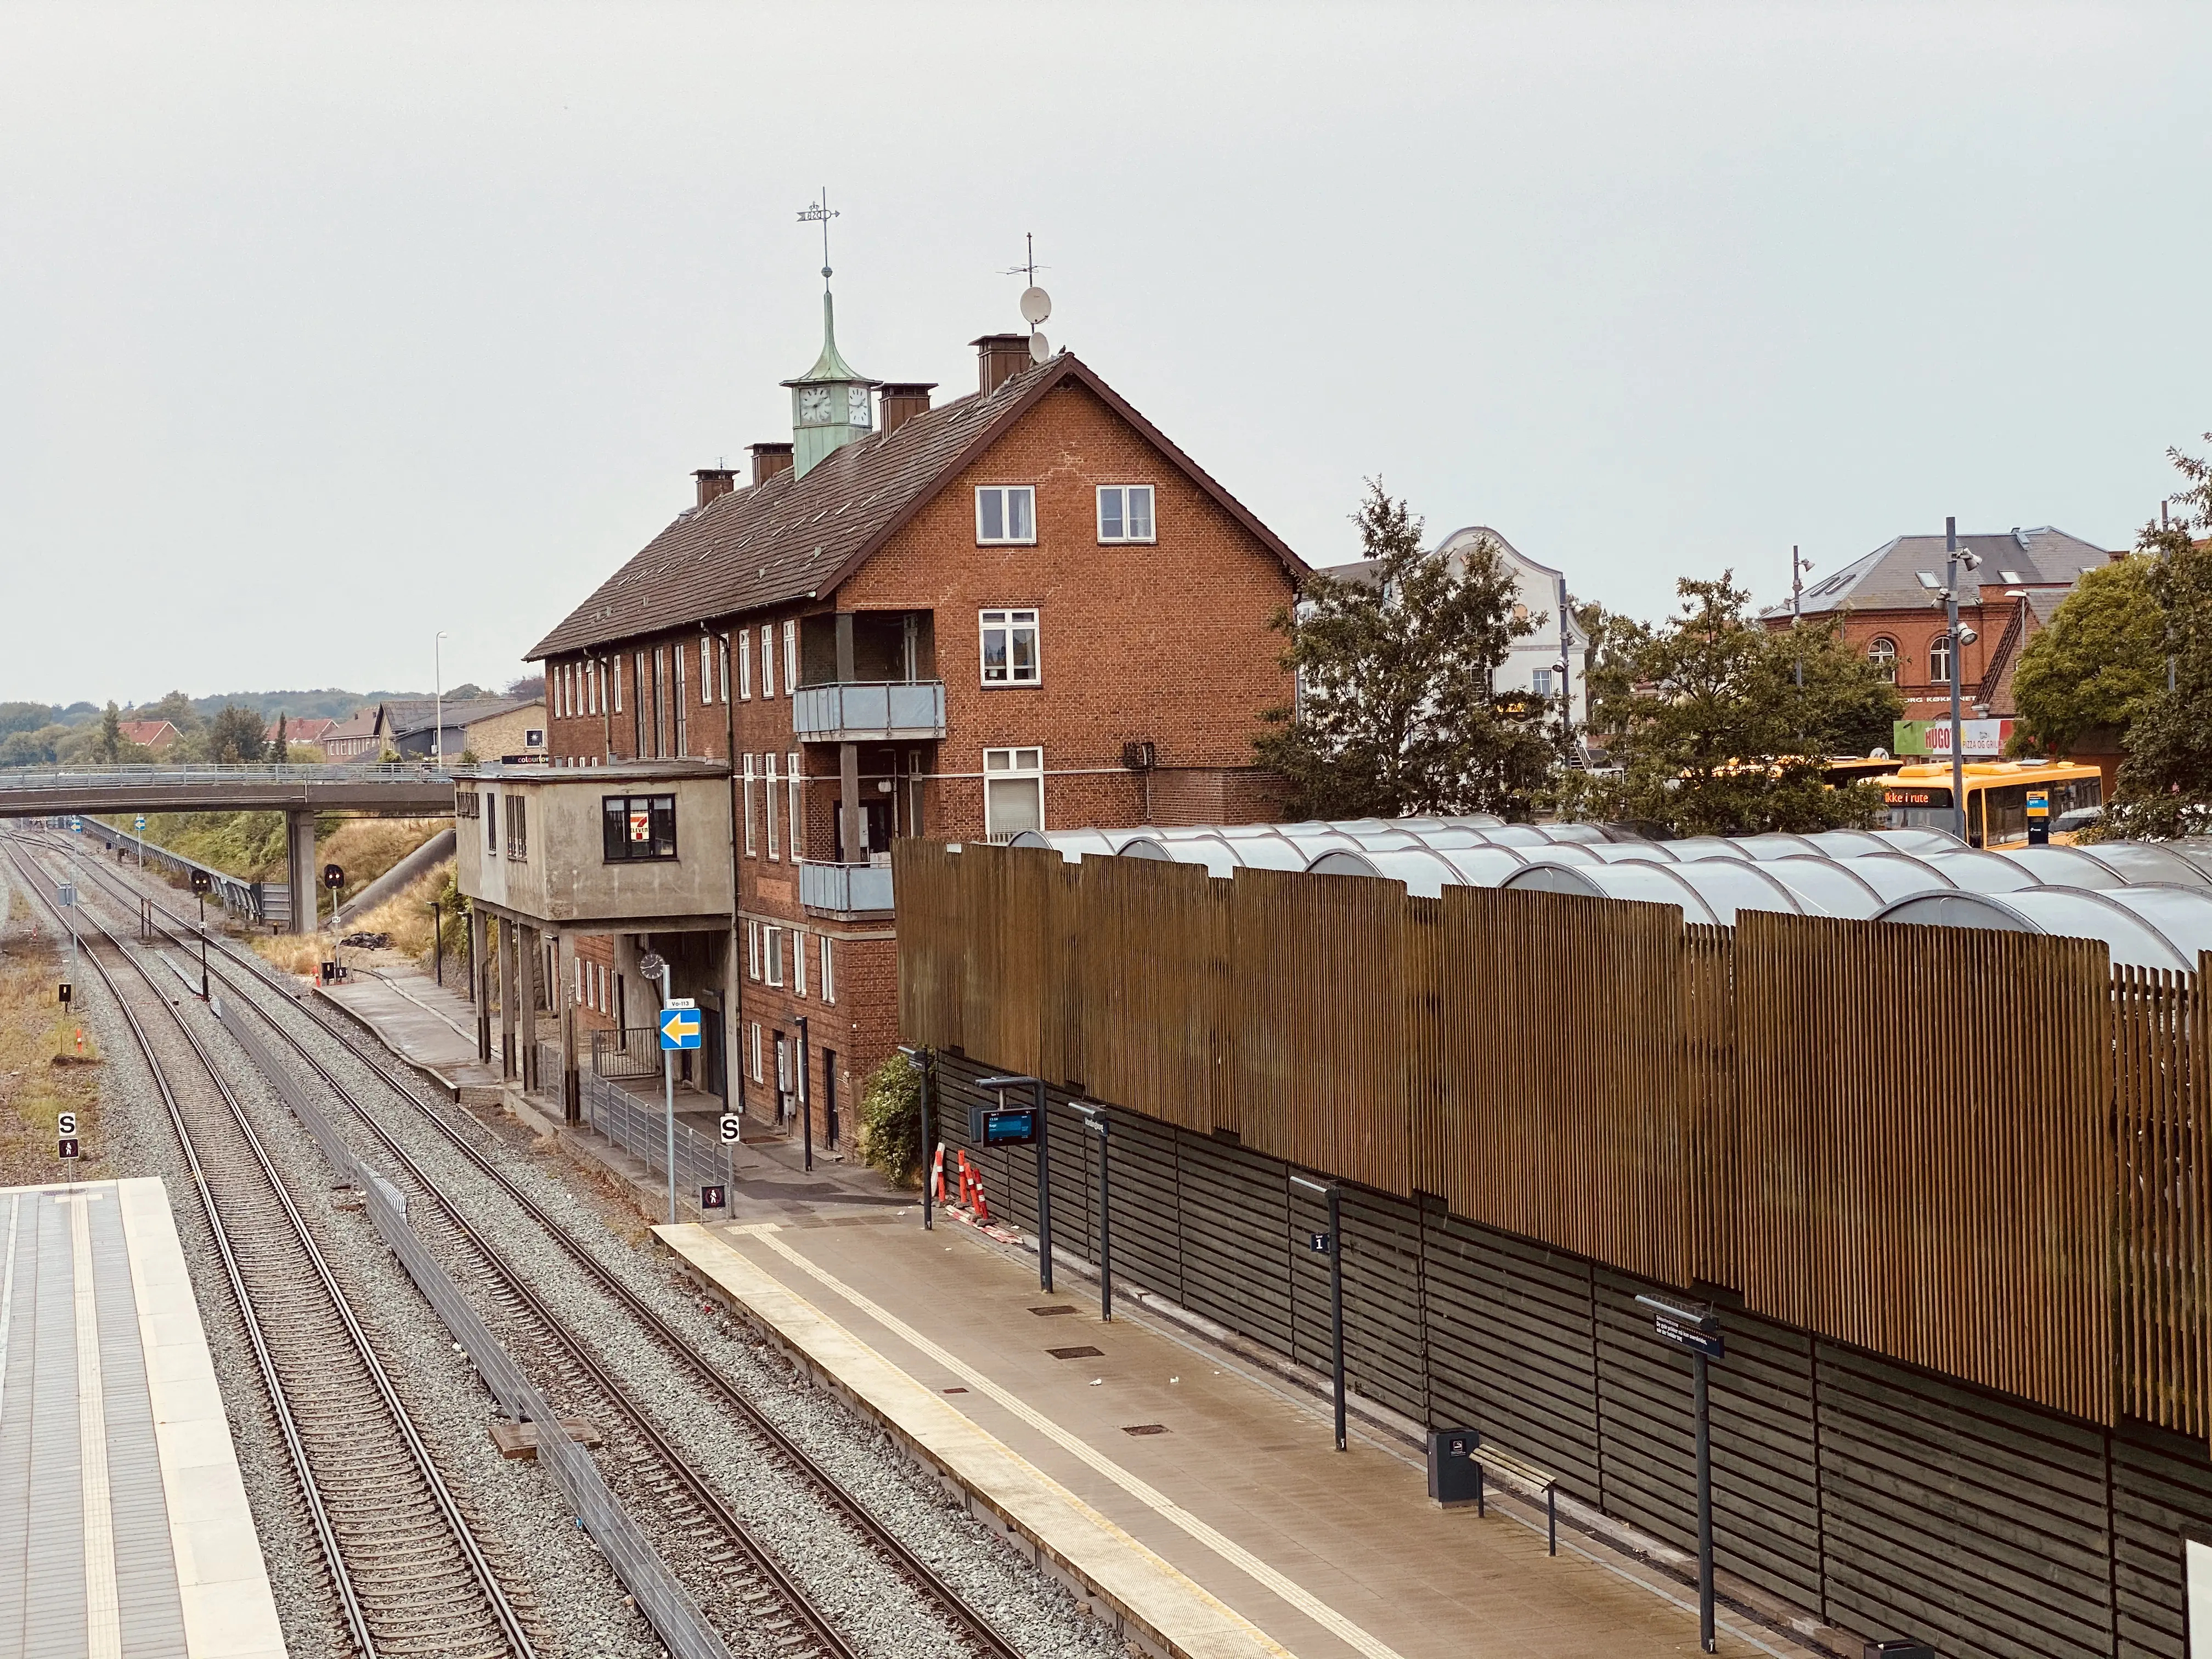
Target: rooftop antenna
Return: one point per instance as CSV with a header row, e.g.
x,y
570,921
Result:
x,y
821,213
1036,304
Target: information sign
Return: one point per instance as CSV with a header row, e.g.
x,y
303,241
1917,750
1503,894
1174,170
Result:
x,y
1320,1243
679,1028
66,1132
730,1128
65,994
142,821
714,1198
992,1126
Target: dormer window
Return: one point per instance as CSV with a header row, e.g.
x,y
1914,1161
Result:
x,y
1005,512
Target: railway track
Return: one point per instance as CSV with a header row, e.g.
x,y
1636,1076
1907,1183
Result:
x,y
403,1561
753,1586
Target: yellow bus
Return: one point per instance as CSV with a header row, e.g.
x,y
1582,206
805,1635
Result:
x,y
1919,797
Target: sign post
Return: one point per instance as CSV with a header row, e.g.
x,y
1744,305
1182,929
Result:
x,y
1013,1131
66,1132
805,1104
139,831
1331,1244
201,882
2038,818
679,1028
918,1058
1697,1332
1094,1119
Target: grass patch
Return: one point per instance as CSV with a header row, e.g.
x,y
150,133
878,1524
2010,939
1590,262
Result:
x,y
251,845
35,1031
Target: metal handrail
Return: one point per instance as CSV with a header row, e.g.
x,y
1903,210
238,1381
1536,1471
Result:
x,y
139,773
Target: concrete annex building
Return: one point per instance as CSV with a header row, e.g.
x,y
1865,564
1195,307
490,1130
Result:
x,y
1024,608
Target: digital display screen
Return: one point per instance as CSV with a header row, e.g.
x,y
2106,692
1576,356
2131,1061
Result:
x,y
1010,1129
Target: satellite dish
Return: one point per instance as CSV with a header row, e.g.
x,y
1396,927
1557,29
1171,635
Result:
x,y
1038,349
1037,305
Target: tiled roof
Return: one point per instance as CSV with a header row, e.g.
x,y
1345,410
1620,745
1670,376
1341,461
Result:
x,y
1888,579
402,717
145,733
793,539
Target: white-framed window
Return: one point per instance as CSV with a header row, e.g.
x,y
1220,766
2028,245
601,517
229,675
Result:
x,y
1010,647
768,762
1539,682
746,795
1005,512
798,961
752,951
772,953
682,696
768,660
1125,513
706,669
745,665
756,1052
1013,791
1882,653
615,674
791,658
828,977
1939,660
798,822
723,651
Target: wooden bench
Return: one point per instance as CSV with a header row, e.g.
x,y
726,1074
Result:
x,y
1520,1469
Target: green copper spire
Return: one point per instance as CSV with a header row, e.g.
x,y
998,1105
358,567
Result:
x,y
830,403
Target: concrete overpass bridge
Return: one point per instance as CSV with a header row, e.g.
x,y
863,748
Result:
x,y
298,792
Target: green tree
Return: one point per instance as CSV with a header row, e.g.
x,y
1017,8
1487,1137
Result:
x,y
279,748
1397,710
2166,781
110,747
890,1119
1705,727
2099,662
23,717
234,735
177,709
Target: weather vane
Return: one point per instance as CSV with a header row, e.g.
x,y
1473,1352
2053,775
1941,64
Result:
x,y
1029,267
821,213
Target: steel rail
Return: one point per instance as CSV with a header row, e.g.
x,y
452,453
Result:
x,y
496,1598
978,1629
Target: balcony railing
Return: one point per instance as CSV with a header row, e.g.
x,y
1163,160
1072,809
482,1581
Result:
x,y
870,711
845,889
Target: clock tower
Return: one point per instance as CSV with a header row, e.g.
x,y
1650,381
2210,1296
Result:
x,y
829,404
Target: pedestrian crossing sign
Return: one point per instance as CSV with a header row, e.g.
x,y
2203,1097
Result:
x,y
679,1028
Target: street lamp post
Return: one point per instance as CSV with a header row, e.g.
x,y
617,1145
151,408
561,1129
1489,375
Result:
x,y
1946,593
438,695
437,942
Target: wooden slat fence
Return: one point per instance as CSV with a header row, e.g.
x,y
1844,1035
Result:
x,y
1976,1152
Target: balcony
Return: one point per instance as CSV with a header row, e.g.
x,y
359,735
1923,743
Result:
x,y
870,711
845,889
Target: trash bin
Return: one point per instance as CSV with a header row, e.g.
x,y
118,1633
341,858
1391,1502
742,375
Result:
x,y
1454,1476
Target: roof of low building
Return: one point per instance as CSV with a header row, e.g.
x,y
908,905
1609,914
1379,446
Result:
x,y
361,723
1362,572
403,718
302,728
791,538
1888,579
145,733
620,771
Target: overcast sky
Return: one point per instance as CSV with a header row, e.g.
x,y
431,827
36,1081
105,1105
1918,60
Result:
x,y
325,327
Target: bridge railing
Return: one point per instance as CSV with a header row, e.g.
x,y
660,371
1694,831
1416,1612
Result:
x,y
125,777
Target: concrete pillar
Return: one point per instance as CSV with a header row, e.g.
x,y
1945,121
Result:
x,y
300,869
531,961
564,999
849,788
509,970
635,1003
480,979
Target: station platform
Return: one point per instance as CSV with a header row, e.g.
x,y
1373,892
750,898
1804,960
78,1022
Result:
x,y
124,1524
1191,1498
429,1027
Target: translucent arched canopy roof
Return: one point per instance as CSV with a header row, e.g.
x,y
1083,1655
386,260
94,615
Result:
x,y
2055,866
1898,875
1268,853
1488,866
1144,847
1847,843
1690,848
1772,847
1644,884
1519,834
1980,872
1425,874
1215,854
2142,862
2182,915
1915,841
1384,841
1825,887
1728,885
2071,912
1628,852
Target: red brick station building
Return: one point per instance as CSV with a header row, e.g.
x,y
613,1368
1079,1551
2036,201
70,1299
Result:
x,y
1024,608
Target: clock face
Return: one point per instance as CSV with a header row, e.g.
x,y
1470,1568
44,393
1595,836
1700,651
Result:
x,y
856,403
814,405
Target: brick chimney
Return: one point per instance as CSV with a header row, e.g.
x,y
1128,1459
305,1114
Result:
x,y
999,358
769,459
902,401
714,483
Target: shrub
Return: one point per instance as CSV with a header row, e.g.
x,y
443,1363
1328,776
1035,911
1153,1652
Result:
x,y
891,1120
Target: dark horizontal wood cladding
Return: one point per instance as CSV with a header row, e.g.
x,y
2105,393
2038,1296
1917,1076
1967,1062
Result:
x,y
1976,1152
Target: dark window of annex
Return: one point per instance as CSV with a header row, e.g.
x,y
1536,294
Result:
x,y
638,827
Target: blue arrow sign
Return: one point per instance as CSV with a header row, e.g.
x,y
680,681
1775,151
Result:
x,y
679,1028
